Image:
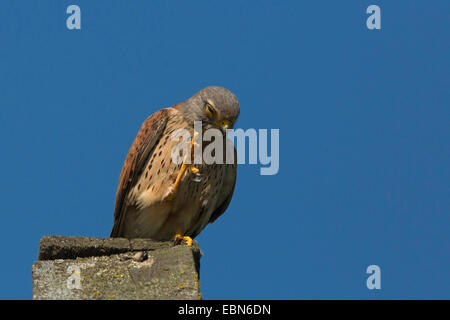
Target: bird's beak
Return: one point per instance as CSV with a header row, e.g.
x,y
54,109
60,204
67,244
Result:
x,y
224,125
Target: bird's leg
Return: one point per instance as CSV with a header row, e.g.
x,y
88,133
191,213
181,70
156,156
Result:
x,y
184,167
179,238
192,150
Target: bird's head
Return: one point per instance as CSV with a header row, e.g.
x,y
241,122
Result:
x,y
215,107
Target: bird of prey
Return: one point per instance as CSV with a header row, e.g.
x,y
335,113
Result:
x,y
159,199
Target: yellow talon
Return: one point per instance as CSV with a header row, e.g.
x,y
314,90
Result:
x,y
188,240
194,170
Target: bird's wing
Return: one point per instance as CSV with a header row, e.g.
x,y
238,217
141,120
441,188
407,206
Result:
x,y
227,191
147,137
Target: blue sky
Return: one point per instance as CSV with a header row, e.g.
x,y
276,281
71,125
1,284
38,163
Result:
x,y
364,130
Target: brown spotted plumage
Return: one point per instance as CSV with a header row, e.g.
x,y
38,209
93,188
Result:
x,y
147,204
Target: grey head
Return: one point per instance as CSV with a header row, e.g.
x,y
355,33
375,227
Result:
x,y
215,106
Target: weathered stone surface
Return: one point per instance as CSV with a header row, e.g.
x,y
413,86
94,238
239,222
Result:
x,y
93,268
59,247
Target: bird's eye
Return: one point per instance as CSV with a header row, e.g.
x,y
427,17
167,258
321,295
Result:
x,y
210,110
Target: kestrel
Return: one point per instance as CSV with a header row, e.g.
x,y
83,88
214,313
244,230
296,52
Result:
x,y
159,199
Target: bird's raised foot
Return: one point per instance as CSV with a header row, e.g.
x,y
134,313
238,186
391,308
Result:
x,y
178,239
174,188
